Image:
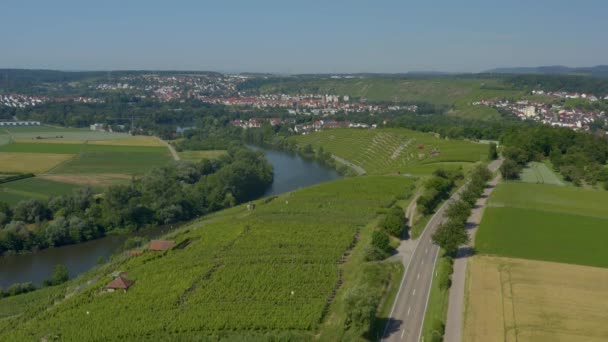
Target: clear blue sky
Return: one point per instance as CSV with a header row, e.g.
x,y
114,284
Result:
x,y
304,36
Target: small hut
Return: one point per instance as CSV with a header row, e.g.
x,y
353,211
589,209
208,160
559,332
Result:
x,y
161,245
119,283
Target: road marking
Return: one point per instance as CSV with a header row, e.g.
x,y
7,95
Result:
x,y
418,276
414,292
423,261
402,332
426,250
408,311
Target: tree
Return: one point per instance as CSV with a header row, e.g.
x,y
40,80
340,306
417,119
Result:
x,y
60,276
360,304
509,169
492,152
450,236
393,222
30,211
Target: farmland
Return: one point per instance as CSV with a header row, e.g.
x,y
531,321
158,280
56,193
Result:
x,y
384,151
525,300
30,162
539,173
239,274
32,188
543,222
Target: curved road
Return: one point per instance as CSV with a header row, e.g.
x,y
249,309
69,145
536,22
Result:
x,y
407,316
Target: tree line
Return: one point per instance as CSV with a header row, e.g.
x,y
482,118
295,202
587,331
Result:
x,y
168,194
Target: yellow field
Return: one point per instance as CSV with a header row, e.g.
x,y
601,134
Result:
x,y
131,141
47,141
93,180
196,156
524,300
30,162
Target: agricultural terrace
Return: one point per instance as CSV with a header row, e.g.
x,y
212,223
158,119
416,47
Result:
x,y
539,173
386,151
459,93
536,301
24,189
239,274
543,222
196,156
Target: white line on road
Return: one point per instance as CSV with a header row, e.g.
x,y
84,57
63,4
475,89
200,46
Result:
x,y
403,332
418,276
408,311
414,292
428,295
423,261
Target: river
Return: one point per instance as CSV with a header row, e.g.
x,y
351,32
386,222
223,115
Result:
x,y
291,172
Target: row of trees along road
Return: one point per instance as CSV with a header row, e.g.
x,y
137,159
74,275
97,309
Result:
x,y
169,194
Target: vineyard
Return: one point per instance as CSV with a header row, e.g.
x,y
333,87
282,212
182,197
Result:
x,y
237,273
384,151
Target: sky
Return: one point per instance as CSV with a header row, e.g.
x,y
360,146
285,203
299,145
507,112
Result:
x,y
306,36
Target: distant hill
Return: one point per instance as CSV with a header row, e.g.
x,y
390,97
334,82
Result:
x,y
597,71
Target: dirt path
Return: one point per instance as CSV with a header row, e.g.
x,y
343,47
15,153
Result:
x,y
171,149
453,329
358,169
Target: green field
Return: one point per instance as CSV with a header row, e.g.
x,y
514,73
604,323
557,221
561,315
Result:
x,y
33,188
242,274
385,151
539,173
64,132
543,222
91,158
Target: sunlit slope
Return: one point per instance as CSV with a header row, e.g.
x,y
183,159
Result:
x,y
384,151
240,272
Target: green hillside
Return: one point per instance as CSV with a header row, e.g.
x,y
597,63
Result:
x,y
384,151
458,93
240,274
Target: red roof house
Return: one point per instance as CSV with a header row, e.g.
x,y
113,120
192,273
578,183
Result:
x,y
119,283
161,245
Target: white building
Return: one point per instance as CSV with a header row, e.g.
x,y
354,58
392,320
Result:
x,y
530,111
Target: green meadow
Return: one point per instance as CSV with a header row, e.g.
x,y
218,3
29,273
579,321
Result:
x,y
272,272
545,222
65,133
14,192
536,172
385,151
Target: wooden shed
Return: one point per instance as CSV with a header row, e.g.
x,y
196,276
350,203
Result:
x,y
119,283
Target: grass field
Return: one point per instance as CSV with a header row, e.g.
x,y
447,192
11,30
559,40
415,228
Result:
x,y
241,274
196,156
524,300
33,188
31,162
131,141
539,173
385,151
543,222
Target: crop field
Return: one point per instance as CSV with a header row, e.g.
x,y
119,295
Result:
x,y
536,301
551,223
105,159
385,151
539,173
131,141
62,133
87,157
31,162
196,156
237,274
33,188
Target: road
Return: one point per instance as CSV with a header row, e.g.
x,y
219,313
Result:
x,y
358,169
170,147
453,328
407,315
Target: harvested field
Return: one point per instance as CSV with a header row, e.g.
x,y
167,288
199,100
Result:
x,y
132,141
31,162
94,180
524,300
